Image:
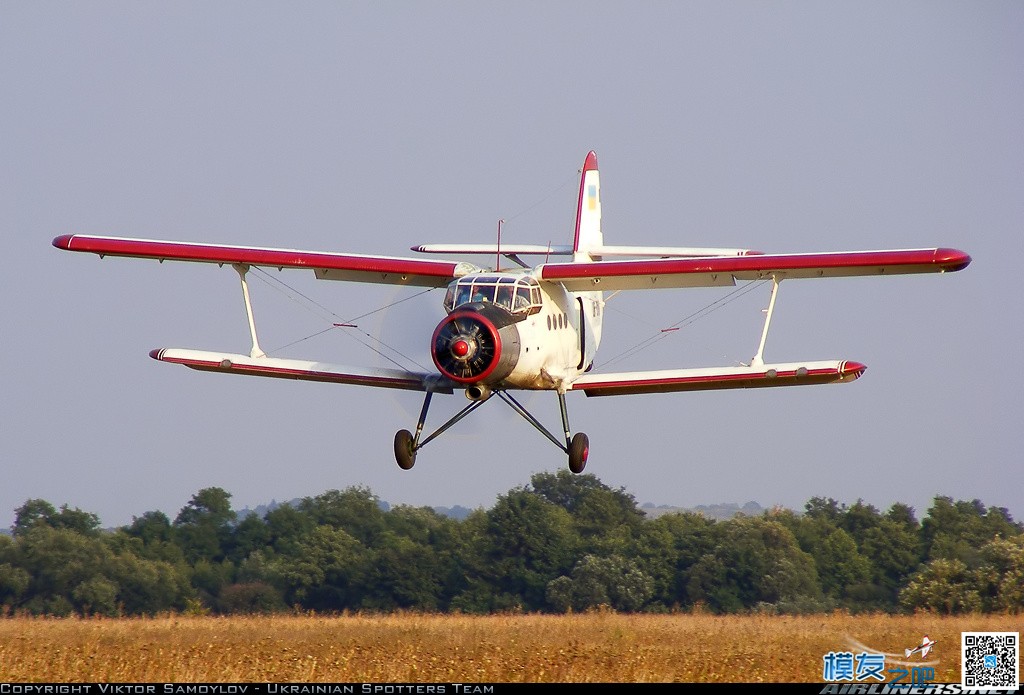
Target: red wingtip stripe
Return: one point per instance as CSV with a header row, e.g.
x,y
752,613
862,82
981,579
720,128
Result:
x,y
952,259
591,162
851,370
63,241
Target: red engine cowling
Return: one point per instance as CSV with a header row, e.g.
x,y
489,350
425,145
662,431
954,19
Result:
x,y
469,346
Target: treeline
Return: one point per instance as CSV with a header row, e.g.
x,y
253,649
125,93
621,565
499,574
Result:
x,y
562,543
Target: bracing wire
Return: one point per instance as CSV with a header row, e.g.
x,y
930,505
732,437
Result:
x,y
337,321
684,322
545,198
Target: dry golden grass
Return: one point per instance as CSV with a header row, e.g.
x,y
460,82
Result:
x,y
593,647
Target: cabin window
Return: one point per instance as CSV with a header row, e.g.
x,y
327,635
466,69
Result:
x,y
518,295
504,296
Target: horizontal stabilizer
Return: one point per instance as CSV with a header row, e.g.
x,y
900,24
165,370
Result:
x,y
493,249
710,378
595,252
303,370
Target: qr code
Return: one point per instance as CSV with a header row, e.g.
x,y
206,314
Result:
x,y
990,659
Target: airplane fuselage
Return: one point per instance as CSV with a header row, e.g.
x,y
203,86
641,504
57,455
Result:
x,y
506,330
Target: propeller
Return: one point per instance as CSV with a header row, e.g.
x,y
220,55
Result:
x,y
465,347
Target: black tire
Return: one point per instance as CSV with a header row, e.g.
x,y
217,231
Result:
x,y
579,450
404,453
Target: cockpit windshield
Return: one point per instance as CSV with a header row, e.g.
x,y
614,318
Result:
x,y
517,294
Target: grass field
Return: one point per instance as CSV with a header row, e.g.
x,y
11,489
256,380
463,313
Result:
x,y
593,647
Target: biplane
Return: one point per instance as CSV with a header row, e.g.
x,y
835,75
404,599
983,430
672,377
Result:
x,y
530,327
922,649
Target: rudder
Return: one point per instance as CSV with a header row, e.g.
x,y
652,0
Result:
x,y
588,212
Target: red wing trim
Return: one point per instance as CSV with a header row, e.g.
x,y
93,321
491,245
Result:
x,y
802,265
356,267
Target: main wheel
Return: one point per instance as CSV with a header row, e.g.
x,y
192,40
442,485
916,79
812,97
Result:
x,y
579,449
404,453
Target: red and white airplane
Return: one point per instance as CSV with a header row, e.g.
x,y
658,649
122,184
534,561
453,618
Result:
x,y
533,327
923,648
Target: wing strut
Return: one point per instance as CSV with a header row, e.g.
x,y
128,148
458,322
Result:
x,y
256,351
758,359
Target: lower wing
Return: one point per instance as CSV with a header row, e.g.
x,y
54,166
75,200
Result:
x,y
304,370
709,378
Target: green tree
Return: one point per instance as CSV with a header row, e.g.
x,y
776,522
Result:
x,y
758,562
152,537
204,525
322,570
356,510
958,530
286,528
600,514
33,513
824,508
944,586
666,550
601,581
842,570
470,587
446,540
37,512
1000,579
249,535
893,550
402,573
71,572
530,541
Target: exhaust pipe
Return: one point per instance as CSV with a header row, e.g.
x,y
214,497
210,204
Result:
x,y
478,392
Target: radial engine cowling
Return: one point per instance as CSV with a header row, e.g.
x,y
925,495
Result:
x,y
476,343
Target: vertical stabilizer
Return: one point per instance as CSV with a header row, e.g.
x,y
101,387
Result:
x,y
588,212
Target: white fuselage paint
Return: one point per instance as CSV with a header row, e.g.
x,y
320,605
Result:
x,y
550,354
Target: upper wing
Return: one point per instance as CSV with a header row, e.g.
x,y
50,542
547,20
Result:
x,y
708,378
725,270
327,266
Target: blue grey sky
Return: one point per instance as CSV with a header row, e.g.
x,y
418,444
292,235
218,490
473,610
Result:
x,y
371,127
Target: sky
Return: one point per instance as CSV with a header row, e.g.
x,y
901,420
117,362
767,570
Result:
x,y
373,127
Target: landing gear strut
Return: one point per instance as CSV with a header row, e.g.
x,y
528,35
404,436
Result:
x,y
577,446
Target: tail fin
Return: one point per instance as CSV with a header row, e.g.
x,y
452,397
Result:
x,y
588,212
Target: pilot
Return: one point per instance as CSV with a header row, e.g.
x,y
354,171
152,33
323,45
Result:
x,y
504,298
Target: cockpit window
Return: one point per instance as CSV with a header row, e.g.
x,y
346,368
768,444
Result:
x,y
519,295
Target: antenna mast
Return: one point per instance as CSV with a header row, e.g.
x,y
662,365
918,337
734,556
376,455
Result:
x,y
497,255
